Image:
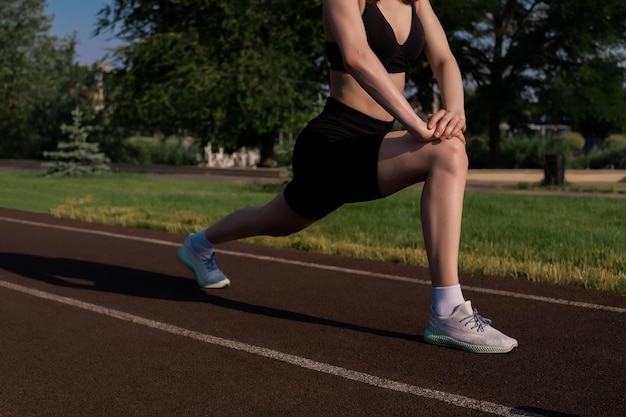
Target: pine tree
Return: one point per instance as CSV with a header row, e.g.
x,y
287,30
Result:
x,y
77,156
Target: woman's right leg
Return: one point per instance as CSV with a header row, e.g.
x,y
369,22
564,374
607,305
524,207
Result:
x,y
442,166
276,218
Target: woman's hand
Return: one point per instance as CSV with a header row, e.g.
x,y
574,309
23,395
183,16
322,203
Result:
x,y
447,125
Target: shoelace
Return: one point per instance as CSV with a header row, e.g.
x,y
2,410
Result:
x,y
210,262
478,322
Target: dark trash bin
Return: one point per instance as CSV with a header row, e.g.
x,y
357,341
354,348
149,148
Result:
x,y
554,170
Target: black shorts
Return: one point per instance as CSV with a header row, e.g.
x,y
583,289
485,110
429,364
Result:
x,y
335,161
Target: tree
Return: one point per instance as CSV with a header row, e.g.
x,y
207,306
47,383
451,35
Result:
x,y
76,157
592,95
35,78
512,52
230,72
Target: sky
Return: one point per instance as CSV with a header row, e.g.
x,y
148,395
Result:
x,y
79,16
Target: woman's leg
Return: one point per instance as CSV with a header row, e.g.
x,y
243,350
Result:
x,y
275,218
442,165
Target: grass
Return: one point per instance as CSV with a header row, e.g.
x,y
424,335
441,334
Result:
x,y
570,240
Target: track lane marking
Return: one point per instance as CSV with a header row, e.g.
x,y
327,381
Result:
x,y
310,364
503,293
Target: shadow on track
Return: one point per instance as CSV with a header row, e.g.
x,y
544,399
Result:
x,y
80,274
541,412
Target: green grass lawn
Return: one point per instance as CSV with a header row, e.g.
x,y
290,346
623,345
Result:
x,y
573,240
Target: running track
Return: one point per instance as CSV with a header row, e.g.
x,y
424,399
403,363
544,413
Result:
x,y
102,321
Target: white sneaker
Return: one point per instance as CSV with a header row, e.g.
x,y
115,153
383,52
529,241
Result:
x,y
465,329
203,266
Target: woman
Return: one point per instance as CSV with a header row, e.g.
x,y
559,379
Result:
x,y
349,154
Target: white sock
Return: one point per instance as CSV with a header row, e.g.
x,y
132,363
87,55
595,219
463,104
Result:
x,y
199,242
446,299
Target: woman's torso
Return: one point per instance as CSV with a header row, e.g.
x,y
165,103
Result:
x,y
344,87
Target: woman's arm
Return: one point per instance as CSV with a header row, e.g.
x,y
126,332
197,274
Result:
x,y
449,122
346,25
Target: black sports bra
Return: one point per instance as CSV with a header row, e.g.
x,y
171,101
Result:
x,y
381,38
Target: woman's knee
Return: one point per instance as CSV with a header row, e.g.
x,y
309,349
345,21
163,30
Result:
x,y
451,155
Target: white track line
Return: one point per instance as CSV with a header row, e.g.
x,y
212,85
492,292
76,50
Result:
x,y
549,300
324,368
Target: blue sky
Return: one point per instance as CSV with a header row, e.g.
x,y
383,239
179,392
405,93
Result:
x,y
80,16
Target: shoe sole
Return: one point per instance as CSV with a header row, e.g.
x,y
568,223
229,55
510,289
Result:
x,y
447,341
220,284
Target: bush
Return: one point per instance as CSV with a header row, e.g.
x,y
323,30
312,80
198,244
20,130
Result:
x,y
555,145
478,152
530,152
517,152
283,156
151,151
614,140
283,153
575,140
613,157
168,154
522,152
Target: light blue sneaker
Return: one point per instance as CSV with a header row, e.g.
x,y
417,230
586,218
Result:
x,y
203,266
